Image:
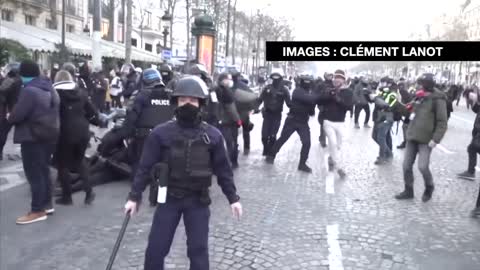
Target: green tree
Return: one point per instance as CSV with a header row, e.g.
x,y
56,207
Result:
x,y
11,49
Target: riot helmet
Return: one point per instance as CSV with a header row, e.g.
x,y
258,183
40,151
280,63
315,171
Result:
x,y
191,86
306,81
151,76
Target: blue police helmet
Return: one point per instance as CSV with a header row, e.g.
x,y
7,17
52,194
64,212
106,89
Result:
x,y
151,76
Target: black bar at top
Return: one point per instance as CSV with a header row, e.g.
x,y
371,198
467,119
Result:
x,y
373,51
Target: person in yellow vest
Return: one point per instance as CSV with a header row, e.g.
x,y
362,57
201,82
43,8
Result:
x,y
383,117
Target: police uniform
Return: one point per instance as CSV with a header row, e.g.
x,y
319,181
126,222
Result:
x,y
273,98
150,107
301,108
383,122
192,152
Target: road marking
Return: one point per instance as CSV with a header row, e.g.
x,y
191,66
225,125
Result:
x,y
330,183
334,251
445,150
13,181
462,119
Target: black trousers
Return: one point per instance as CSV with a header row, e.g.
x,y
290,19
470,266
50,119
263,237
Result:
x,y
116,101
196,217
230,133
5,128
246,132
71,158
303,130
358,109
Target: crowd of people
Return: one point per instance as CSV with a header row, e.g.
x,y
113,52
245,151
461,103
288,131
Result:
x,y
179,131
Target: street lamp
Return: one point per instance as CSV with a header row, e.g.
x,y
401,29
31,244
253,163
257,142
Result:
x,y
167,20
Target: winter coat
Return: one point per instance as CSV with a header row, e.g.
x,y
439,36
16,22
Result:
x,y
429,118
37,99
359,94
76,113
9,91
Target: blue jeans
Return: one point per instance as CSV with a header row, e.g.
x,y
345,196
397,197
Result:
x,y
167,216
36,159
380,135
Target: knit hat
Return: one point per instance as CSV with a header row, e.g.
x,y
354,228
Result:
x,y
340,73
28,68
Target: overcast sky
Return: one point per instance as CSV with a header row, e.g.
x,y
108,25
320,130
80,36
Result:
x,y
349,20
354,19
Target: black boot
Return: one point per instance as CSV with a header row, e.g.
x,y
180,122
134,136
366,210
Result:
x,y
270,159
304,168
475,213
406,194
331,164
89,197
271,143
64,200
427,194
402,145
265,146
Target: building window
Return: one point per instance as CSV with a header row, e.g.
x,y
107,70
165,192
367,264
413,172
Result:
x,y
148,47
159,19
29,20
7,15
70,28
148,18
49,24
134,42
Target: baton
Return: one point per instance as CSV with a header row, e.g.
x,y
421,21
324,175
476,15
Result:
x,y
119,240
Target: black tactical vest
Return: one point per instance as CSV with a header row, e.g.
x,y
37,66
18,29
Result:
x,y
274,98
190,162
158,110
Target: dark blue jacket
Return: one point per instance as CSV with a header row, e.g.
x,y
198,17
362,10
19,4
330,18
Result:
x,y
159,141
33,103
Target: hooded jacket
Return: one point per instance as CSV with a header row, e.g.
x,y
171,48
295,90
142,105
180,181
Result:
x,y
429,118
76,112
37,99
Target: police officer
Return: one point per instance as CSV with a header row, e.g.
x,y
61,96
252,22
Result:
x,y
273,96
129,79
150,108
187,152
301,108
167,73
383,116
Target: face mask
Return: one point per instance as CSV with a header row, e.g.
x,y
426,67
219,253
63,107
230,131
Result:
x,y
187,113
227,83
26,80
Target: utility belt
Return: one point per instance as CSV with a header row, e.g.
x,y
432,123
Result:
x,y
180,193
142,132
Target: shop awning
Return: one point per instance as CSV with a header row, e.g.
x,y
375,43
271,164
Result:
x,y
44,40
